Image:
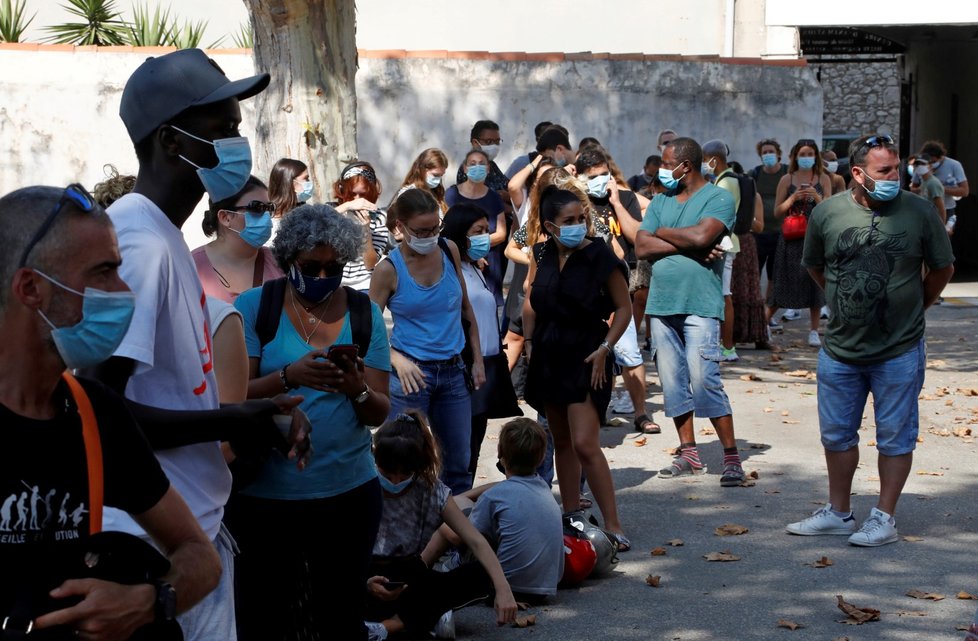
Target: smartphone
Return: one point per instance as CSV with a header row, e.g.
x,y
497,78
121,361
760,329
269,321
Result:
x,y
393,585
804,186
335,353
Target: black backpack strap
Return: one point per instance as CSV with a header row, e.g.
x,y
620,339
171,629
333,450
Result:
x,y
361,318
270,309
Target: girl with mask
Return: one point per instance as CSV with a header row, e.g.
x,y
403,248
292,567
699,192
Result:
x,y
576,284
422,284
475,192
285,520
468,227
405,593
427,173
356,193
237,260
288,187
803,187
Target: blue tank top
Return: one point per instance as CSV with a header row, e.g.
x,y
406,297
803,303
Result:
x,y
427,320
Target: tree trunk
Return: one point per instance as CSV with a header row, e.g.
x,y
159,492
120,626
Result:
x,y
309,111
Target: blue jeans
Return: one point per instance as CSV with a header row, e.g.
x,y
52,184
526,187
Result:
x,y
445,400
687,355
895,384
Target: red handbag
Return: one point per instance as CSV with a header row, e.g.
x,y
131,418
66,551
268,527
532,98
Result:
x,y
795,226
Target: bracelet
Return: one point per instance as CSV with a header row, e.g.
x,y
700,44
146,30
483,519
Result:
x,y
284,378
605,345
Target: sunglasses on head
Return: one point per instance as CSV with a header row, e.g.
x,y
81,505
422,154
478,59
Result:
x,y
879,140
74,194
255,207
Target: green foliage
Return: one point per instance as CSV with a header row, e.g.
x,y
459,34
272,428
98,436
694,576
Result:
x,y
245,37
189,35
148,30
13,21
102,24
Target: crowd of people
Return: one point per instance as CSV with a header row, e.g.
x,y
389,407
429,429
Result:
x,y
313,473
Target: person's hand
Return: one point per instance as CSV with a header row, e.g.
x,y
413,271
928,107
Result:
x,y
505,606
478,374
345,376
376,589
107,612
716,253
481,264
300,430
571,168
312,370
410,375
597,359
357,204
613,196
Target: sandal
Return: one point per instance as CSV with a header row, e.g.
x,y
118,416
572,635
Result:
x,y
624,545
584,503
645,425
733,475
681,467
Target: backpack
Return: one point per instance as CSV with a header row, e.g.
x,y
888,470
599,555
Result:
x,y
273,299
748,194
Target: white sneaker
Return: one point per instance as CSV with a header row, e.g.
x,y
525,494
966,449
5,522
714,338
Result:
x,y
825,312
823,521
375,631
878,529
445,628
622,404
790,315
813,338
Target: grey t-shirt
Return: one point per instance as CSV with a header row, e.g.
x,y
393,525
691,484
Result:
x,y
951,174
410,519
521,520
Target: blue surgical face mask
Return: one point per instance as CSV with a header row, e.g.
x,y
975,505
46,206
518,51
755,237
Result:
x,y
910,170
305,193
477,173
667,179
769,160
395,488
432,181
312,288
597,186
478,246
257,229
232,170
572,235
883,190
93,339
806,162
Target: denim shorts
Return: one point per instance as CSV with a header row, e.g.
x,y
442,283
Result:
x,y
895,385
212,619
687,356
626,349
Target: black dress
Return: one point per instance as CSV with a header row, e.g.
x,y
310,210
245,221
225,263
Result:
x,y
572,307
794,287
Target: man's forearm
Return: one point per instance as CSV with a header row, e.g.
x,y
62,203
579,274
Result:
x,y
652,248
934,283
686,238
166,429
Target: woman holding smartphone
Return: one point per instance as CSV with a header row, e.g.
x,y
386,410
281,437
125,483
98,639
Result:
x,y
285,520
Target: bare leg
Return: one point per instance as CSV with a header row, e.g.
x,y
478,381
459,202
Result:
x,y
634,381
565,460
514,347
816,316
725,430
842,467
727,327
894,471
639,298
684,425
585,435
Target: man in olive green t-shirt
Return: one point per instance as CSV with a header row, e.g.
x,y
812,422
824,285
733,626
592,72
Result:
x,y
865,247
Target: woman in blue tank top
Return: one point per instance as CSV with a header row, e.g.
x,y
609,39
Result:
x,y
420,283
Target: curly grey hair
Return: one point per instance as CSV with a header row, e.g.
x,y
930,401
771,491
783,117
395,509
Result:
x,y
308,227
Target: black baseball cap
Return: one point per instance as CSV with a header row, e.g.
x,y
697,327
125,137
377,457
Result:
x,y
165,86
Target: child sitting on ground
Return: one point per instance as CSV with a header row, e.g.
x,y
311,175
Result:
x,y
518,516
405,593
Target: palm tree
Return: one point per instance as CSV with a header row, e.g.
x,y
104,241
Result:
x,y
13,21
102,24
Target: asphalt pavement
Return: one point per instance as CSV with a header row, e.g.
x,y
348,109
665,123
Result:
x,y
780,577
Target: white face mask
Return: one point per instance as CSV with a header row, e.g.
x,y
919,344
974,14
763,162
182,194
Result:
x,y
920,170
490,150
832,166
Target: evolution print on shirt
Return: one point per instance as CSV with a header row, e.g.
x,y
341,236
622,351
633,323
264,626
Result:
x,y
865,257
29,515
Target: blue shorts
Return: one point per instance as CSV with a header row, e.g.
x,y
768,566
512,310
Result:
x,y
687,357
895,384
626,349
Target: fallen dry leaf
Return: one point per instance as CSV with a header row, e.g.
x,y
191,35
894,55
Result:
x,y
707,431
758,446
939,432
785,413
675,542
660,551
692,497
525,622
969,391
823,562
790,422
910,613
721,556
965,596
772,491
753,474
799,373
640,441
930,596
748,483
841,639
652,580
730,529
857,616
791,625
926,397
910,538
962,628
768,410
750,377
926,473
961,432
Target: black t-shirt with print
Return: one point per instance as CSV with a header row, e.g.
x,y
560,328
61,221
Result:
x,y
603,211
44,489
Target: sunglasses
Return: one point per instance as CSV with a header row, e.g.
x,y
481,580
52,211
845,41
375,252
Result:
x,y
255,207
879,140
74,194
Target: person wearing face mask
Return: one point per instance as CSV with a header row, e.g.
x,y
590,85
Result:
x,y
357,192
576,285
681,235
951,174
830,163
288,187
929,187
867,248
804,187
182,115
405,593
554,143
237,258
422,284
485,137
427,173
767,176
282,519
475,191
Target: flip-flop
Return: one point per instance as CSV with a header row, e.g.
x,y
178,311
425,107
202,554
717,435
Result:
x,y
624,545
681,467
645,425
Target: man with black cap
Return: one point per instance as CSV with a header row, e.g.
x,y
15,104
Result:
x,y
182,115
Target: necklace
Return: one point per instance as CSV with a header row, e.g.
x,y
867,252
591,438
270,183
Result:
x,y
315,320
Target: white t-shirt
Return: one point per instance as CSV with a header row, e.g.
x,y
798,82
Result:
x,y
170,341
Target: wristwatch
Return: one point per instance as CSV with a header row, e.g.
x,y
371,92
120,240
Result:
x,y
166,601
362,396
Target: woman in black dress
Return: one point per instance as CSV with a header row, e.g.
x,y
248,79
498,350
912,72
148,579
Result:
x,y
576,284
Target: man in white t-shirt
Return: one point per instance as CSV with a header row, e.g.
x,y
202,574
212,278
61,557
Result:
x,y
951,174
182,115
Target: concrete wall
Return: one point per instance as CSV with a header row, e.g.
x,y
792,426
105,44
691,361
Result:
x,y
59,109
861,96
